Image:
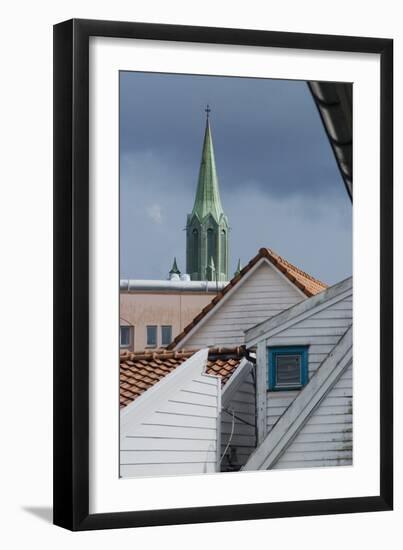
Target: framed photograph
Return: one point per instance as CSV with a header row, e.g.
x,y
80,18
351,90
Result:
x,y
223,236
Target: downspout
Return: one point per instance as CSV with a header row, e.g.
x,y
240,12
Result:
x,y
252,359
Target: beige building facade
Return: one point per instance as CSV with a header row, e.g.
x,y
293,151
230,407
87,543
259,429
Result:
x,y
153,313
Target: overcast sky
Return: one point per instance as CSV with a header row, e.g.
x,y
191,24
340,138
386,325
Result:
x,y
279,182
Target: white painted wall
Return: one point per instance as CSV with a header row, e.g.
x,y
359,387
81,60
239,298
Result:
x,y
173,427
242,402
321,331
262,293
327,438
321,390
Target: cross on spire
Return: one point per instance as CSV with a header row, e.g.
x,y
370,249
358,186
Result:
x,y
208,110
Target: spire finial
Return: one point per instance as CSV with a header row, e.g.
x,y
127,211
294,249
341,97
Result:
x,y
208,110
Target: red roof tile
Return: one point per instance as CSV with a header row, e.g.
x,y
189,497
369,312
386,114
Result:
x,y
141,370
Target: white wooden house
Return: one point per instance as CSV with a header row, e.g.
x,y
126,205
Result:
x,y
266,286
304,383
171,405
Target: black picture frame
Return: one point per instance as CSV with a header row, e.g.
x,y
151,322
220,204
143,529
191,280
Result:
x,y
71,274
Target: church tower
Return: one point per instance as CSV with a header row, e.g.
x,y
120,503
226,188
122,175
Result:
x,y
207,226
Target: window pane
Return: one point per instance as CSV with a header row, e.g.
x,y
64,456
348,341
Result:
x,y
151,335
125,336
166,335
288,370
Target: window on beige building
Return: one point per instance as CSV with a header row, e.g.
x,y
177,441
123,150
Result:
x,y
152,336
166,335
126,336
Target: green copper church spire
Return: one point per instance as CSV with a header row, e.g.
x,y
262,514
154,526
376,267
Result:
x,y
208,199
207,226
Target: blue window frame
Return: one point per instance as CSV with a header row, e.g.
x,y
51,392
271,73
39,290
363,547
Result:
x,y
287,368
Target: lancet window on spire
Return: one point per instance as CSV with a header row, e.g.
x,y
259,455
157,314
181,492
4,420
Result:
x,y
223,251
195,238
211,248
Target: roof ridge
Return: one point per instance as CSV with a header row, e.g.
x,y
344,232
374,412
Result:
x,y
288,269
238,351
153,354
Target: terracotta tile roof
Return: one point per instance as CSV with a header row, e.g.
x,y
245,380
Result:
x,y
305,282
141,370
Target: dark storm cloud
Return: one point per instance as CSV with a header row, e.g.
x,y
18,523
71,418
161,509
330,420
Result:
x,y
264,130
279,182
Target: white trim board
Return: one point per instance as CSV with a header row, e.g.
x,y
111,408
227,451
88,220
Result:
x,y
236,380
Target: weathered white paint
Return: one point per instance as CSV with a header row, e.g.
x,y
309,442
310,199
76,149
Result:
x,y
173,428
317,323
238,397
261,293
236,380
320,340
318,304
333,445
302,408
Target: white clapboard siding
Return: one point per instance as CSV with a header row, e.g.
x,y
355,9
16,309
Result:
x,y
291,465
321,443
263,293
321,331
165,444
243,441
155,470
317,404
173,427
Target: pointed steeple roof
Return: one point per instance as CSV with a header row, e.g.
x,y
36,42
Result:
x,y
208,199
174,268
238,268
